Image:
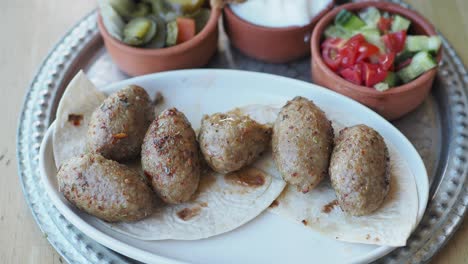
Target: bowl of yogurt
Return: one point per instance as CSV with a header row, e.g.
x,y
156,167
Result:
x,y
275,31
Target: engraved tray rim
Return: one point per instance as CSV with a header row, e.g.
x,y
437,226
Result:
x,y
441,220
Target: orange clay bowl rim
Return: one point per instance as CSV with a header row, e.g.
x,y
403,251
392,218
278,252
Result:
x,y
179,48
389,7
276,30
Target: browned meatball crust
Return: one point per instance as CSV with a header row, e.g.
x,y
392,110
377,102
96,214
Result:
x,y
302,143
359,170
169,157
105,188
118,125
230,141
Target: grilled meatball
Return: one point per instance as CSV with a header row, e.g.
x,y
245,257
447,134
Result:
x,y
302,143
231,141
118,125
105,188
169,157
359,170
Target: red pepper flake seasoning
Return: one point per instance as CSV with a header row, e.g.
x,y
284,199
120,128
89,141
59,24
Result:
x,y
274,204
188,213
304,222
120,135
329,207
75,119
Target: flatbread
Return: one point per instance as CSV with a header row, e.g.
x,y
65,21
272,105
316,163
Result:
x,y
220,205
73,114
318,210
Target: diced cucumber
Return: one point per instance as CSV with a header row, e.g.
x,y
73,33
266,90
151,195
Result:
x,y
423,43
371,16
422,62
337,32
372,36
391,79
404,55
400,23
381,86
348,20
171,33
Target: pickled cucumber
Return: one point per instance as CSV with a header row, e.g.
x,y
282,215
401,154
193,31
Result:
x,y
123,7
141,10
201,18
129,9
139,31
171,31
159,40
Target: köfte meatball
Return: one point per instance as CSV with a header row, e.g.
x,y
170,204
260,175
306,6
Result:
x,y
169,157
230,141
302,143
359,170
118,126
104,188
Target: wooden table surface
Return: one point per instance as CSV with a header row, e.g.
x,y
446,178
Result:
x,y
31,27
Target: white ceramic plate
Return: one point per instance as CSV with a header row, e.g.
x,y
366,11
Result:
x,y
268,238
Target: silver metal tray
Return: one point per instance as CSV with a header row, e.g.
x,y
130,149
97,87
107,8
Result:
x,y
438,129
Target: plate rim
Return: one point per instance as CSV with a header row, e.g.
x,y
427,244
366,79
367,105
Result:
x,y
121,247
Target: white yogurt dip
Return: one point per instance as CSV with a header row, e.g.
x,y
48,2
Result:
x,y
279,13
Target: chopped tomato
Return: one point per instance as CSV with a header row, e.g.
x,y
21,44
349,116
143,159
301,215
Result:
x,y
384,24
366,50
386,60
348,56
372,74
330,52
331,58
335,43
352,74
355,40
395,42
350,51
403,64
186,29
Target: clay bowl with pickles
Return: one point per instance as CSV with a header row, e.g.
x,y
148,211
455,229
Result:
x,y
152,36
380,54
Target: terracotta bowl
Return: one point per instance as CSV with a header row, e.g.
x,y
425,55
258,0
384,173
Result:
x,y
190,54
393,103
275,45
